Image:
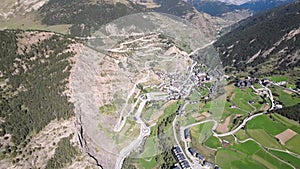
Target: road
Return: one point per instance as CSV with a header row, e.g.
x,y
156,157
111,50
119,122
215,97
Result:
x,y
144,129
240,126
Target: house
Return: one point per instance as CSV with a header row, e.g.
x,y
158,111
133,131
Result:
x,y
185,165
278,106
192,151
208,164
187,135
200,157
180,157
175,167
251,102
243,83
266,82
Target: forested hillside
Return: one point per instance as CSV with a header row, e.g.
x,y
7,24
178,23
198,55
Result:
x,y
85,15
34,71
272,38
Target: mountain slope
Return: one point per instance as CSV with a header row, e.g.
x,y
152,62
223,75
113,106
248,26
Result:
x,y
272,38
85,15
219,8
263,5
214,8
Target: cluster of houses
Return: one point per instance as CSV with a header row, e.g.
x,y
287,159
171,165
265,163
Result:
x,y
173,85
244,83
199,157
202,160
180,158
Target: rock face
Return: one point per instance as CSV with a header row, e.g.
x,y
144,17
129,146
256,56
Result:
x,y
10,8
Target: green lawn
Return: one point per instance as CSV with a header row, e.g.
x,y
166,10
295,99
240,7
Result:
x,y
287,157
264,122
293,144
261,136
213,142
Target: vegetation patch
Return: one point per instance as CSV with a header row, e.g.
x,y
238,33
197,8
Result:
x,y
264,138
108,109
264,122
33,93
232,159
268,161
241,135
213,142
248,147
287,157
285,98
293,144
64,154
241,98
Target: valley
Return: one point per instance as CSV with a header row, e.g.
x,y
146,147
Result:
x,y
135,84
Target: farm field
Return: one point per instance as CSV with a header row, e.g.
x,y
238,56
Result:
x,y
241,98
254,145
261,136
268,161
232,159
264,122
286,98
213,142
250,153
287,157
293,144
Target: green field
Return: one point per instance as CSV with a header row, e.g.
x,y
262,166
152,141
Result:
x,y
201,132
287,157
267,160
284,97
242,97
241,135
147,164
278,78
248,147
261,136
293,144
264,122
247,155
213,142
232,159
229,138
149,148
229,111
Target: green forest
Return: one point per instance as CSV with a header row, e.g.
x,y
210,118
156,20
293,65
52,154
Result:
x,y
32,89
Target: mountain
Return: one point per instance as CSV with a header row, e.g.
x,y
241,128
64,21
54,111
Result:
x,y
265,42
263,5
36,112
220,8
214,8
83,17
